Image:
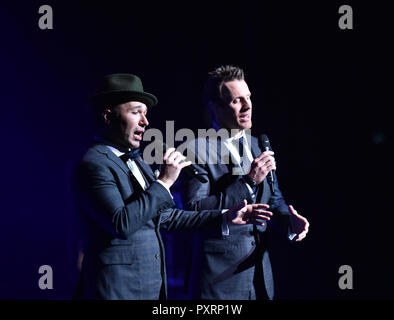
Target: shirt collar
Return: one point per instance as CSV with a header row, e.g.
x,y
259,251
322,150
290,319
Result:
x,y
237,136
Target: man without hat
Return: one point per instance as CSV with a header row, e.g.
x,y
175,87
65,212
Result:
x,y
244,272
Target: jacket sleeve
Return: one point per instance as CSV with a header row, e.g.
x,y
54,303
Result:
x,y
280,221
277,201
98,194
198,195
181,220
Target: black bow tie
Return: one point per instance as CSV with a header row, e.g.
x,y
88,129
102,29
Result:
x,y
133,154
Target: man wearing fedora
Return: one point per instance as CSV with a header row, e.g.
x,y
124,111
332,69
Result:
x,y
123,205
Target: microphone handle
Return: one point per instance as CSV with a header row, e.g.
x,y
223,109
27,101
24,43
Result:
x,y
270,177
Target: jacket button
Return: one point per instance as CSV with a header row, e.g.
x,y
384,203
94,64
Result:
x,y
157,256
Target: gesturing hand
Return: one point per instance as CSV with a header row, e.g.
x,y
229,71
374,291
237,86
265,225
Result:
x,y
299,224
244,213
173,162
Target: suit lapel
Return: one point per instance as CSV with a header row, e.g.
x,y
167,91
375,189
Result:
x,y
147,173
264,193
146,170
223,161
256,151
149,177
102,148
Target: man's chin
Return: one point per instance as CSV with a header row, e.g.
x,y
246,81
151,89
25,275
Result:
x,y
245,125
134,144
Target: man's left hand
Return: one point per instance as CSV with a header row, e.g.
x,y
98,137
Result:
x,y
299,224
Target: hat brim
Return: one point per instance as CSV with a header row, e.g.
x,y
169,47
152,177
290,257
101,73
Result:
x,y
118,97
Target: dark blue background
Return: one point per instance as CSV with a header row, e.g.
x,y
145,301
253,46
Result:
x,y
320,93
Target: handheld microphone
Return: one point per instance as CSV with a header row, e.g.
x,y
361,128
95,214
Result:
x,y
265,145
192,170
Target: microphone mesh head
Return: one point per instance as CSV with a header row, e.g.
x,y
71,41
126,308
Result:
x,y
265,141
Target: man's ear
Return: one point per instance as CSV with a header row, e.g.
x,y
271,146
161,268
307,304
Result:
x,y
107,115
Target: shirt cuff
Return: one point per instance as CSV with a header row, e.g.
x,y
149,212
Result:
x,y
291,235
164,185
250,189
225,229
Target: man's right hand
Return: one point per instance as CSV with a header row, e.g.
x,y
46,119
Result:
x,y
244,213
261,166
173,163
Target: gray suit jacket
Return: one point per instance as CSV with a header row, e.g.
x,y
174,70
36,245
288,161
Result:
x,y
236,266
123,252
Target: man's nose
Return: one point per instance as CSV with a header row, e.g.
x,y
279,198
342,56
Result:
x,y
144,120
247,104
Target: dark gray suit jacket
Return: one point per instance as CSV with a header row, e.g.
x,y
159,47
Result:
x,y
236,266
123,252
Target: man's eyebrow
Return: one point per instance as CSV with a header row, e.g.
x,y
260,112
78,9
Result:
x,y
136,107
240,96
